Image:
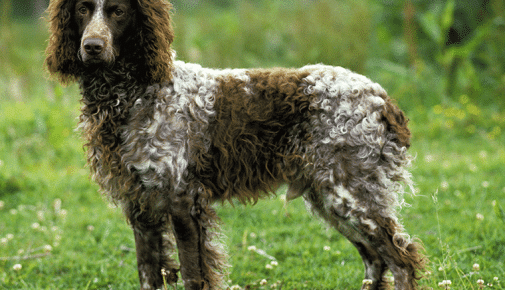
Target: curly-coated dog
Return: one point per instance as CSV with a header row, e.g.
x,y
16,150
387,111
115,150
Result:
x,y
165,139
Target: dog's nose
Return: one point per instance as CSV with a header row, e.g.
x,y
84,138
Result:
x,y
93,46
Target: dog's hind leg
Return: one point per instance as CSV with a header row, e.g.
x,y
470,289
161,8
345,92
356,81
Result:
x,y
154,244
379,239
401,255
336,210
195,224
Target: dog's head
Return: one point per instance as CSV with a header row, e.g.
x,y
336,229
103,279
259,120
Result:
x,y
98,32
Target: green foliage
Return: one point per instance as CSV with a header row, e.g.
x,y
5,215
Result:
x,y
264,34
442,71
453,95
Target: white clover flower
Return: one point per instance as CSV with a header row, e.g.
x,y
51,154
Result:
x,y
263,282
63,213
235,287
479,217
17,267
253,235
35,226
326,248
47,248
57,205
367,281
251,248
476,267
13,212
3,241
40,215
10,236
274,263
445,284
429,158
269,266
495,278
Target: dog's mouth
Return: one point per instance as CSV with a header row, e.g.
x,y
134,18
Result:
x,y
97,61
94,60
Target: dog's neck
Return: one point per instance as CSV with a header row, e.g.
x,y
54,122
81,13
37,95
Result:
x,y
111,90
101,83
108,94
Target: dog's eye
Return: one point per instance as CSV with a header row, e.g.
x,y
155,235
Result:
x,y
118,12
83,10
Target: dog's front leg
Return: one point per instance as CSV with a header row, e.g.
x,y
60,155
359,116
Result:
x,y
187,235
154,246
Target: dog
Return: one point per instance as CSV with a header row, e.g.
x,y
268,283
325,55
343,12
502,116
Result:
x,y
165,139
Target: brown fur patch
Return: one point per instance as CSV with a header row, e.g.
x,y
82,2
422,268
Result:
x,y
251,149
396,122
61,52
155,37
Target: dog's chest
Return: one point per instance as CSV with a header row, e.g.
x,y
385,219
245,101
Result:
x,y
161,136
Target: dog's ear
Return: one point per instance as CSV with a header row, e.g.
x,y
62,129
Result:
x,y
61,52
156,36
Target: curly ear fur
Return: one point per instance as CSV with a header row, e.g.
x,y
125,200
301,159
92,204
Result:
x,y
61,52
156,35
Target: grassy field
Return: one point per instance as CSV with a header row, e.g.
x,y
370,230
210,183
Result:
x,y
58,232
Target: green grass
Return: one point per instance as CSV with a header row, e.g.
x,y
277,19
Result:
x,y
65,235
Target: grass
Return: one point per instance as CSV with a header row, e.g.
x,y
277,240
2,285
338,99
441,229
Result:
x,y
58,232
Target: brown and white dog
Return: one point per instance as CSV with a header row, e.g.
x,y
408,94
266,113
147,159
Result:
x,y
166,139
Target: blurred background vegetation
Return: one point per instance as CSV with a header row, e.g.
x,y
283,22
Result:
x,y
442,60
423,52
